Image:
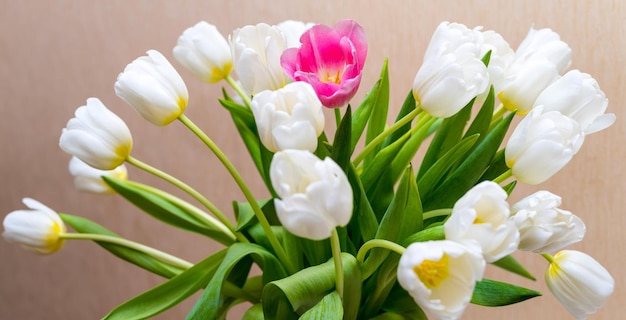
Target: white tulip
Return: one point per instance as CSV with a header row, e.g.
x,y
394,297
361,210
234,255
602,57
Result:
x,y
482,216
88,178
441,276
292,30
578,96
315,195
204,51
452,73
502,55
543,227
579,282
256,52
37,230
151,85
547,43
541,145
97,136
289,118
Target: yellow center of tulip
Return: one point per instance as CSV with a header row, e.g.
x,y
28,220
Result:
x,y
328,76
432,273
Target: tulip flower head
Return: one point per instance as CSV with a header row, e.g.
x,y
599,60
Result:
x,y
330,59
204,51
37,230
151,85
452,73
441,276
256,54
97,136
543,227
482,216
541,145
315,195
289,118
292,31
88,178
578,96
579,282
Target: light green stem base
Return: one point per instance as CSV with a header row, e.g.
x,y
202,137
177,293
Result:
x,y
336,250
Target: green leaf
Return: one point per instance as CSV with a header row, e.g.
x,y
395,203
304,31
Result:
x,y
492,293
254,313
342,150
379,95
482,122
400,302
328,308
140,259
363,223
209,303
511,264
433,233
169,293
292,296
407,106
378,117
169,209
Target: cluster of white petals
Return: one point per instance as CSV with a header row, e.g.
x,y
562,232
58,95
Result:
x,y
89,179
37,229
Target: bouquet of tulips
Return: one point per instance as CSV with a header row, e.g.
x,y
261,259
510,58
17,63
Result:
x,y
355,226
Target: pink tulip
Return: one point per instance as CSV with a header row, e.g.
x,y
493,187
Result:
x,y
330,59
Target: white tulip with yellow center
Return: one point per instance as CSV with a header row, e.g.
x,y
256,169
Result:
x,y
579,282
37,230
97,136
441,276
151,85
204,51
289,118
88,178
482,216
315,195
543,227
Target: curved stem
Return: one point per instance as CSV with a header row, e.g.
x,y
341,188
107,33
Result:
x,y
280,252
189,190
336,250
378,243
436,213
245,97
507,174
548,257
157,254
337,117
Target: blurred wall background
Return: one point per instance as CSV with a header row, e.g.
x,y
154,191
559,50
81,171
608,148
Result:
x,y
55,54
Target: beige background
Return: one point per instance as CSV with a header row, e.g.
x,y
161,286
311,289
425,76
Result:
x,y
55,54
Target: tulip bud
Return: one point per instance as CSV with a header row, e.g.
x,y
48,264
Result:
x,y
151,85
97,136
37,230
543,226
482,216
578,96
204,51
88,178
441,276
452,73
292,31
579,282
315,195
289,118
541,145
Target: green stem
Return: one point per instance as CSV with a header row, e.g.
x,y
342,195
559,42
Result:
x,y
378,243
189,190
337,117
548,257
436,213
280,252
336,250
507,174
383,135
239,90
157,254
231,290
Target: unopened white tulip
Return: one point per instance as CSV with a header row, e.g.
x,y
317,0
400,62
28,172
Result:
x,y
292,30
151,85
502,55
256,54
578,96
452,73
579,282
315,195
543,227
204,51
97,136
545,42
482,216
88,178
37,229
541,145
441,276
289,118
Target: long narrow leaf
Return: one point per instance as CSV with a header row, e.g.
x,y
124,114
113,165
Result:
x,y
378,117
492,293
373,98
329,308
